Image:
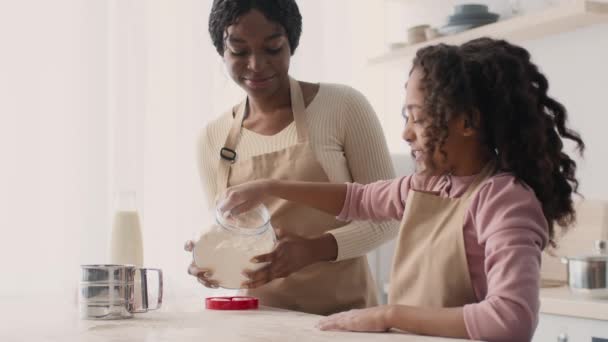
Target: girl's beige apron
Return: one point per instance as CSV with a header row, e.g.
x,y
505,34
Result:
x,y
430,267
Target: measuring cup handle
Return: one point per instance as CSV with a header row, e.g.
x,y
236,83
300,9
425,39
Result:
x,y
139,275
159,300
143,273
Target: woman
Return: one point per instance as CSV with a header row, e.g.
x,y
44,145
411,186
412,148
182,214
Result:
x,y
291,130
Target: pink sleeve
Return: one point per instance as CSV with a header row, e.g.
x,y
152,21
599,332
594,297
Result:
x,y
383,200
511,225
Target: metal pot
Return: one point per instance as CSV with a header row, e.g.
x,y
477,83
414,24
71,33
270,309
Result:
x,y
588,274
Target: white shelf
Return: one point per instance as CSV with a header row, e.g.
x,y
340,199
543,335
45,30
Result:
x,y
565,17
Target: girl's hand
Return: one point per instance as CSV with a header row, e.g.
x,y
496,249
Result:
x,y
242,198
203,275
291,254
364,320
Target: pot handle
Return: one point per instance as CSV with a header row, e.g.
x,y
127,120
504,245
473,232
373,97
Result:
x,y
600,247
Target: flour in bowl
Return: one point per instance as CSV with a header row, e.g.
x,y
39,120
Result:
x,y
228,252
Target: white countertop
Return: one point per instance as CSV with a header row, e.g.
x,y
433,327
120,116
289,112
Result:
x,y
42,319
560,301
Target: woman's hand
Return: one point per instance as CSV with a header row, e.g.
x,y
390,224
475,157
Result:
x,y
203,275
291,254
242,198
364,320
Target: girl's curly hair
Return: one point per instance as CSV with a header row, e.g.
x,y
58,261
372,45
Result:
x,y
518,121
226,12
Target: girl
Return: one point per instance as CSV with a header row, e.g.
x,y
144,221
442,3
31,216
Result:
x,y
492,180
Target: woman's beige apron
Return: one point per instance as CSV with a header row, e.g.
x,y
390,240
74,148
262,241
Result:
x,y
430,266
323,288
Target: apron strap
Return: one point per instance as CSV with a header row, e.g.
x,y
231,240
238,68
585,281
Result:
x,y
299,109
228,154
486,172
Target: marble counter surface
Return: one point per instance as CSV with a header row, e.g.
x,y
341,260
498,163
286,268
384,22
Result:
x,y
44,319
560,301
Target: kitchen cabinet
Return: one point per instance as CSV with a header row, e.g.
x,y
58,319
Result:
x,y
566,317
570,329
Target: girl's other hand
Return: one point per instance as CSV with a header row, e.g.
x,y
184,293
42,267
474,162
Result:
x,y
363,320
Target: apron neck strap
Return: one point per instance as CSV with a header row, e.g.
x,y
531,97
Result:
x,y
299,109
488,170
228,153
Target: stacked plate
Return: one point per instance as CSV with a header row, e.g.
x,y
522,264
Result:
x,y
468,16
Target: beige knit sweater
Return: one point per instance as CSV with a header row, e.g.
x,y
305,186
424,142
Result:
x,y
345,136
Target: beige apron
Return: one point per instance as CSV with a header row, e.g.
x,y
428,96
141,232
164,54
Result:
x,y
323,288
430,266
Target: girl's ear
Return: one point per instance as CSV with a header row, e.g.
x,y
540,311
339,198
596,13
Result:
x,y
470,123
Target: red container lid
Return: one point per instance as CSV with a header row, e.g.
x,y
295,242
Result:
x,y
231,303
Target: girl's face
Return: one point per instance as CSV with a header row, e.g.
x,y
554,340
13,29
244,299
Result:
x,y
458,144
257,54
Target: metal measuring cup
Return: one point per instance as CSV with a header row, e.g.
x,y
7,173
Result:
x,y
108,291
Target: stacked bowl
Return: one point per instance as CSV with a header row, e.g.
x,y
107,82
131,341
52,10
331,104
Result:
x,y
468,16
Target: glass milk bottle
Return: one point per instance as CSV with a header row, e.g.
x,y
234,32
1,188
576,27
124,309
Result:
x,y
126,245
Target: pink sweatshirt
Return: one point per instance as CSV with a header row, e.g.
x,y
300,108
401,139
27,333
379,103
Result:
x,y
504,233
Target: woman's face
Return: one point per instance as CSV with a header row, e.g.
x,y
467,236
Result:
x,y
417,121
257,54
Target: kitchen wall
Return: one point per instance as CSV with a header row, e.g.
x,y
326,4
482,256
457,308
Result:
x,y
576,64
53,141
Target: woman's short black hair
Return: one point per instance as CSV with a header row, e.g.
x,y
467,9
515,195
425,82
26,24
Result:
x,y
226,12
